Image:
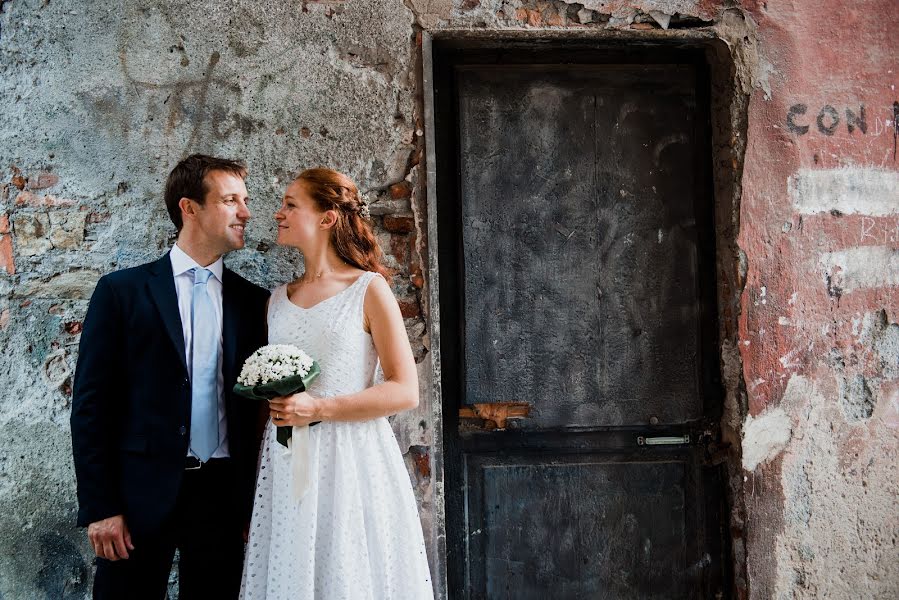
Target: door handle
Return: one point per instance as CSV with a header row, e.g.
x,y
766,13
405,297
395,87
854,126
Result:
x,y
495,414
671,440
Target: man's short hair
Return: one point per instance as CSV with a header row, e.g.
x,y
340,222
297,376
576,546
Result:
x,y
187,180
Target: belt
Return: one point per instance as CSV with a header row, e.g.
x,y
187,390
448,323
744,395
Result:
x,y
192,463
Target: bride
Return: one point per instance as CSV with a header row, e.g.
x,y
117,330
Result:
x,y
350,529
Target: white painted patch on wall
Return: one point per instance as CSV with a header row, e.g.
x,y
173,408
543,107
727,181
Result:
x,y
861,268
850,190
764,437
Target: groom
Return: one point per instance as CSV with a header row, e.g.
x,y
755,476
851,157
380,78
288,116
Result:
x,y
165,455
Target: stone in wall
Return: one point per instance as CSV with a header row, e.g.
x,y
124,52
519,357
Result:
x,y
67,229
32,234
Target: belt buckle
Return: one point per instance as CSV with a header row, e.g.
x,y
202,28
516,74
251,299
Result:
x,y
192,464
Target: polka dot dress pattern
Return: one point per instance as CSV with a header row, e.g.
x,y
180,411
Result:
x,y
356,534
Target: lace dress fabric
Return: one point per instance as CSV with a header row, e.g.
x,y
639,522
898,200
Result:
x,y
356,533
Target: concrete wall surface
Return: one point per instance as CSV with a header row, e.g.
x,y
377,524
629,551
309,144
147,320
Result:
x,y
100,100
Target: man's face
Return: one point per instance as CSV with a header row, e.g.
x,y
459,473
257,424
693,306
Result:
x,y
221,218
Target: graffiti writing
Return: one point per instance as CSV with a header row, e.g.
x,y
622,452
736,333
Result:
x,y
827,120
881,231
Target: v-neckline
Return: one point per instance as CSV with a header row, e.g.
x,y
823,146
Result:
x,y
320,302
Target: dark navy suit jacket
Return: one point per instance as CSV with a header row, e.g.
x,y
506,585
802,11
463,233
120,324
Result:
x,y
131,397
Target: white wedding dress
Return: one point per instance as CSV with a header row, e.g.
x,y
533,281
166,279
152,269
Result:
x,y
355,535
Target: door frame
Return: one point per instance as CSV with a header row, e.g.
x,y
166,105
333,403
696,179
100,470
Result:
x,y
729,109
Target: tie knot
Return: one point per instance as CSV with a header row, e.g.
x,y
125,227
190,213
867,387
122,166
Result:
x,y
201,276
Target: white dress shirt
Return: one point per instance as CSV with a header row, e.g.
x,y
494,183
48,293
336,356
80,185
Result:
x,y
184,285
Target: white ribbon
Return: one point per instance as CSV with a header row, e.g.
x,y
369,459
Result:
x,y
298,453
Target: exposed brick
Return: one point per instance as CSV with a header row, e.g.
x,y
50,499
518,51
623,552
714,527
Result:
x,y
554,20
521,14
398,248
4,319
33,200
409,308
4,223
7,262
400,190
535,19
396,224
73,327
422,459
305,132
19,181
417,280
43,181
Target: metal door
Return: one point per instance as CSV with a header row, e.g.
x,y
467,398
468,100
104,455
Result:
x,y
578,328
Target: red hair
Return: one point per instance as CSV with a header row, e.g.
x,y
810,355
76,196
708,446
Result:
x,y
353,238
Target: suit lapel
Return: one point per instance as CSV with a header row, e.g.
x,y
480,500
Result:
x,y
162,289
230,321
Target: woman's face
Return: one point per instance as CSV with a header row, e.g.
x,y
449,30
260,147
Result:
x,y
299,220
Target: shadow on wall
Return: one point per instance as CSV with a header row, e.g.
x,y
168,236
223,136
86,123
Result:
x,y
63,572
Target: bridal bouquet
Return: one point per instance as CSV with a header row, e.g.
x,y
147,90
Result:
x,y
276,370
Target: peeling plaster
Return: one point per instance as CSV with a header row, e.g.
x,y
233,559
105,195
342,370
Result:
x,y
860,268
839,538
764,437
848,190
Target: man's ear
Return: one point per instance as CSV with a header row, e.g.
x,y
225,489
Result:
x,y
188,207
329,219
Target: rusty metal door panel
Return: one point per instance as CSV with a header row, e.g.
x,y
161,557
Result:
x,y
578,329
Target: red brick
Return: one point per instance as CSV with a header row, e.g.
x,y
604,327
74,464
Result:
x,y
35,201
395,224
521,14
554,20
535,19
6,257
43,181
409,308
73,327
398,246
400,190
19,181
422,459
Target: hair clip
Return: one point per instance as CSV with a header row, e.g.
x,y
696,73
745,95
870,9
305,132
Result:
x,y
363,205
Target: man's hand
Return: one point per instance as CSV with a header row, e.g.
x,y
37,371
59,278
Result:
x,y
110,538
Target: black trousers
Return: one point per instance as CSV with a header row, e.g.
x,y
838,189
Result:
x,y
207,529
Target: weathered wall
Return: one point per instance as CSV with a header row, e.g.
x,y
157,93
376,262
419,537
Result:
x,y
100,100
819,336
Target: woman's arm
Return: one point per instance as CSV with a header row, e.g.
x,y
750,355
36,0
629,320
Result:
x,y
399,391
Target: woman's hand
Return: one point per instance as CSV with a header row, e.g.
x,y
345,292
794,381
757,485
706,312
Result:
x,y
296,410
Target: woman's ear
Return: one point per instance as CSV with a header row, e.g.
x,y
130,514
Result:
x,y
329,219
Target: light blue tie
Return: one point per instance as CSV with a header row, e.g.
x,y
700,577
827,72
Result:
x,y
204,418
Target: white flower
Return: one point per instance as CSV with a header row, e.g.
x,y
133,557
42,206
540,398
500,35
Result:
x,y
274,362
